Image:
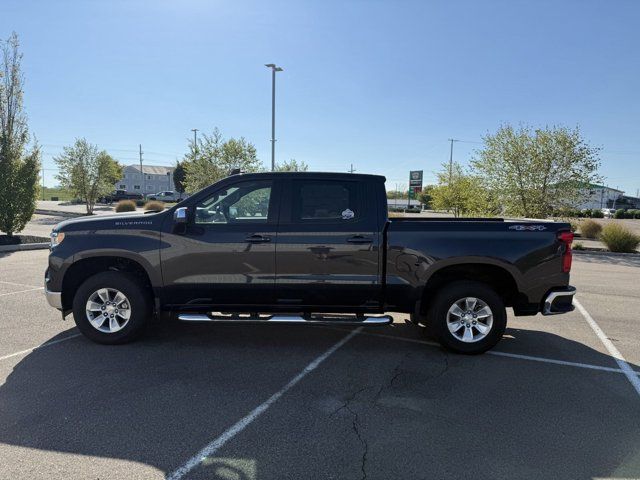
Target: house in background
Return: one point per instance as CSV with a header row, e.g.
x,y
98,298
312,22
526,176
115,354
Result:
x,y
156,179
600,196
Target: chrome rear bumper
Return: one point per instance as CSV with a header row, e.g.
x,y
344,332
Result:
x,y
559,301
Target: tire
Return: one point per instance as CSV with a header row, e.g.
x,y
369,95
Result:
x,y
128,323
443,317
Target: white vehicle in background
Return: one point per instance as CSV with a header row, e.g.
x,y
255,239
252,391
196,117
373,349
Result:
x,y
167,196
608,212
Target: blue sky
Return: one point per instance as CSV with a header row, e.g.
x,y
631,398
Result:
x,y
380,84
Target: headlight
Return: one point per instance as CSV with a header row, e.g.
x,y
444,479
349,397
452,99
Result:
x,y
56,238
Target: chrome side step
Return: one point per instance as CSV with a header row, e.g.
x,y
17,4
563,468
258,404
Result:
x,y
286,319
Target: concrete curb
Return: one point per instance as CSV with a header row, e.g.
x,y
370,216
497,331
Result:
x,y
23,246
58,213
603,252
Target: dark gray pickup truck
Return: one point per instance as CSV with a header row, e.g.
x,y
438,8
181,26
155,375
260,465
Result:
x,y
306,248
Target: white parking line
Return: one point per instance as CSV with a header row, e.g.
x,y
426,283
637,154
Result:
x,y
503,354
22,291
231,432
613,351
17,284
29,350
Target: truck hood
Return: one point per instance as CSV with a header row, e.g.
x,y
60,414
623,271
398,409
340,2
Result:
x,y
117,220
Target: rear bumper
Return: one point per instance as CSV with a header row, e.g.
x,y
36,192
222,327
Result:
x,y
558,301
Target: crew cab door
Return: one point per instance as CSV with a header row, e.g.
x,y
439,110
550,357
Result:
x,y
225,254
328,245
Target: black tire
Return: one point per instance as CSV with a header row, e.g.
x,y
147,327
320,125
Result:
x,y
445,298
137,295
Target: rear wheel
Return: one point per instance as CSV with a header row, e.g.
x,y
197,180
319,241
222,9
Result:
x,y
112,308
467,317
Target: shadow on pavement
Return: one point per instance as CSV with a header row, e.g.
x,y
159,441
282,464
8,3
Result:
x,y
160,400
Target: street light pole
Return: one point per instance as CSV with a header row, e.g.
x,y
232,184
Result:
x,y
195,143
451,159
274,69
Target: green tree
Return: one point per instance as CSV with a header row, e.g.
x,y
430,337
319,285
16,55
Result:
x,y
534,172
213,158
461,193
425,196
179,175
19,168
88,172
292,166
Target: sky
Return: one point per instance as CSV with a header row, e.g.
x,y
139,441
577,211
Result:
x,y
381,85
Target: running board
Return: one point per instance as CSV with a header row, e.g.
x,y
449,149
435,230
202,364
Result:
x,y
287,319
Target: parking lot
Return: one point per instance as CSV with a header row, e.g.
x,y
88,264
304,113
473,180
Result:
x,y
225,402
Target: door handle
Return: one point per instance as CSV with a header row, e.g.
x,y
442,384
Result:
x,y
359,239
257,238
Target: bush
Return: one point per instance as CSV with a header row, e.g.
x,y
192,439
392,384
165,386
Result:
x,y
126,206
154,206
590,229
633,213
619,239
140,203
578,246
597,214
587,213
619,213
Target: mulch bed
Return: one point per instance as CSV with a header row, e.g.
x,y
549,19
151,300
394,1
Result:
x,y
21,239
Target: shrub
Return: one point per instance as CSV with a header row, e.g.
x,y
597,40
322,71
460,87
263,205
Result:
x,y
154,206
633,213
126,206
140,203
619,213
587,213
590,229
618,239
597,214
578,246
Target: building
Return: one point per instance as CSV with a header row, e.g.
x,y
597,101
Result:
x,y
396,204
156,179
600,196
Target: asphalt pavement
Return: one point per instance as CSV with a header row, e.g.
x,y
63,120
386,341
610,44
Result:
x,y
245,402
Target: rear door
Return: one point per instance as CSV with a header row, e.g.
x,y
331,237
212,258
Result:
x,y
328,247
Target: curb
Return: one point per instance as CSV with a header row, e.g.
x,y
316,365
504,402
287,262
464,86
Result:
x,y
604,252
58,213
23,246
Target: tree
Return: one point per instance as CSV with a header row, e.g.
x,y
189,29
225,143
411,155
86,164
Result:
x,y
425,196
292,166
534,172
214,158
88,172
179,175
461,193
19,168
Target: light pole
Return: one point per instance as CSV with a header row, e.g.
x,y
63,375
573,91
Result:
x,y
451,159
274,69
195,143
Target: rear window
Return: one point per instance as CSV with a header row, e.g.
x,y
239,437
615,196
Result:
x,y
325,201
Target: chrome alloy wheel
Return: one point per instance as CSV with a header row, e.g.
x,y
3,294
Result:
x,y
469,319
108,310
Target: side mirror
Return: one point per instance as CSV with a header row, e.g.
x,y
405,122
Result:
x,y
180,215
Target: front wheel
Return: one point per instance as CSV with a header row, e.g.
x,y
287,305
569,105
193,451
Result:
x,y
112,308
467,317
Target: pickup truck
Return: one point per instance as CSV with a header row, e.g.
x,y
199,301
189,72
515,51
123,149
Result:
x,y
118,195
311,248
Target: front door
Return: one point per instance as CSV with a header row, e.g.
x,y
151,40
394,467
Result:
x,y
226,254
328,246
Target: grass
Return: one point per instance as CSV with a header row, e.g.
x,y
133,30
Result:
x,y
63,195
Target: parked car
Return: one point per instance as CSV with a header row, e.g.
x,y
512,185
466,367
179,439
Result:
x,y
167,196
608,212
118,195
300,247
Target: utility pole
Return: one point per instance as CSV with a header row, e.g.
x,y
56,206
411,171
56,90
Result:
x,y
451,159
351,170
195,143
274,69
43,183
141,172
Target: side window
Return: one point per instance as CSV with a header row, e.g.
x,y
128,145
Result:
x,y
246,202
325,201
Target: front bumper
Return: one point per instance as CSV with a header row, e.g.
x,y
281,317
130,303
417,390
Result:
x,y
559,301
53,298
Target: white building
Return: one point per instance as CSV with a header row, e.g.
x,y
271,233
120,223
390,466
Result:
x,y
156,179
599,196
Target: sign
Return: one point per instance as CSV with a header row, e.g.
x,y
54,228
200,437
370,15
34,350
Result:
x,y
415,180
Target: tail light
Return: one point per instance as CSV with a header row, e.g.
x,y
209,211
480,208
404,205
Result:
x,y
567,239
